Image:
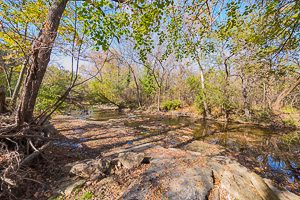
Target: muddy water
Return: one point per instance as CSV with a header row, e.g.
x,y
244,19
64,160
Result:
x,y
272,154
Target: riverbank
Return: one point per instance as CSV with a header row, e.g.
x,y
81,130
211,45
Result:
x,y
105,139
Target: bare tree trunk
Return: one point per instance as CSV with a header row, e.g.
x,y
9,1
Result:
x,y
264,96
279,100
226,109
245,95
205,107
226,93
158,98
39,59
2,99
19,83
138,94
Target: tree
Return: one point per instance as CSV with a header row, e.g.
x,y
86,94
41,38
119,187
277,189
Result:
x,y
111,26
19,18
277,104
39,59
148,82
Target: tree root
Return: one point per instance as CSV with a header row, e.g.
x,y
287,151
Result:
x,y
19,147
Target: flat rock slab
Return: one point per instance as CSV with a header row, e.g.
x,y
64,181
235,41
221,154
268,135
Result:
x,y
176,174
173,174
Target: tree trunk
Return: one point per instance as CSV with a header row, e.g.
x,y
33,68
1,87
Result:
x,y
279,100
264,96
205,107
138,94
19,83
158,98
245,95
2,99
39,59
226,93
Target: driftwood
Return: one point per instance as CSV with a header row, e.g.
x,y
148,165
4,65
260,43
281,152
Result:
x,y
2,99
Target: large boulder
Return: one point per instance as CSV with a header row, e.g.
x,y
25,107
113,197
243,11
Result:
x,y
237,182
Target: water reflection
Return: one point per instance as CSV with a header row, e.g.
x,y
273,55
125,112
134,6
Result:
x,y
277,165
281,170
106,115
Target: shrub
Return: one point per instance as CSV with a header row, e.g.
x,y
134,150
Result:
x,y
289,123
171,105
291,138
87,195
288,109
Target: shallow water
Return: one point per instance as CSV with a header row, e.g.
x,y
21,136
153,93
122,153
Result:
x,y
105,115
271,153
67,143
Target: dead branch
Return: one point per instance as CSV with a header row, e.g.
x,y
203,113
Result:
x,y
35,154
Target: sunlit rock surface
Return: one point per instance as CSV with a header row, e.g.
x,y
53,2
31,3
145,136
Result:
x,y
179,174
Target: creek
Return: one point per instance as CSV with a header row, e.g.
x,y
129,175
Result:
x,y
273,154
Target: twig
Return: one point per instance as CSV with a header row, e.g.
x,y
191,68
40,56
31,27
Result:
x,y
34,180
32,146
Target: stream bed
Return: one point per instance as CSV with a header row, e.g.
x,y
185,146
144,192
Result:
x,y
274,154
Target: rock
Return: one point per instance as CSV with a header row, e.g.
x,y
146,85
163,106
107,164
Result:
x,y
194,183
112,166
237,182
130,160
134,148
92,169
177,174
98,168
282,194
204,148
81,170
73,186
67,186
241,184
173,174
